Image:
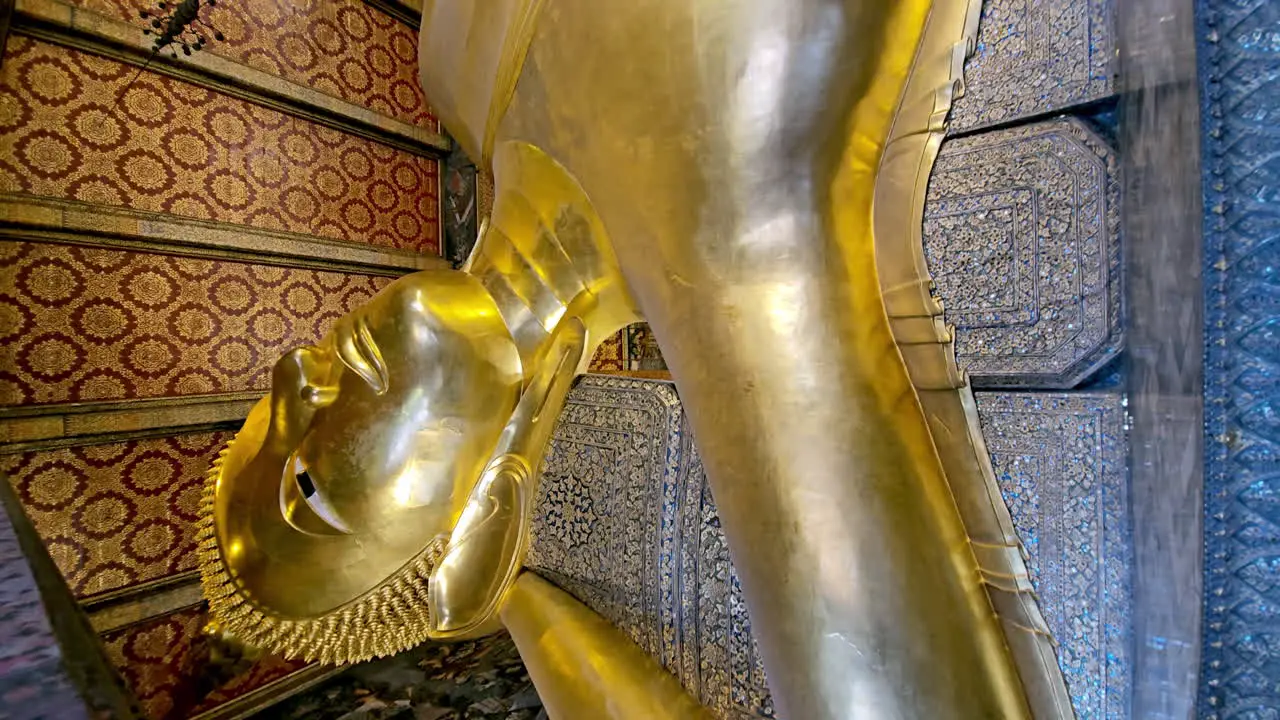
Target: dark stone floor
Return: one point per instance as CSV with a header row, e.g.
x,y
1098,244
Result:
x,y
481,680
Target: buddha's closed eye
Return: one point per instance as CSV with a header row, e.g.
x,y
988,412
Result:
x,y
302,507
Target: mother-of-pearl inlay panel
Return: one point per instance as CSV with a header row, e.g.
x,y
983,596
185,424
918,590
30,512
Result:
x,y
626,522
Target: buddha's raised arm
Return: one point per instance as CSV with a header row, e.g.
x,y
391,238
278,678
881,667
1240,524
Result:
x,y
714,166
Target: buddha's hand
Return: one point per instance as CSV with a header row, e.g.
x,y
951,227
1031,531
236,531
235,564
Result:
x,y
297,391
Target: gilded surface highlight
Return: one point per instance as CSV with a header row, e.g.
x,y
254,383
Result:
x,y
793,371
354,471
582,665
754,271
419,538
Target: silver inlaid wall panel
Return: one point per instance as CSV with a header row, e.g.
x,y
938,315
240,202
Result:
x,y
1035,57
625,521
1240,91
1060,460
1021,233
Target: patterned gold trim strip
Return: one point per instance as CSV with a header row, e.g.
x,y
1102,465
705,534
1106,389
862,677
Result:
x,y
408,12
943,390
42,427
139,603
6,21
42,219
58,22
252,703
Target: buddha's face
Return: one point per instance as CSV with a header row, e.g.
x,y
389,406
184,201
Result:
x,y
405,397
381,431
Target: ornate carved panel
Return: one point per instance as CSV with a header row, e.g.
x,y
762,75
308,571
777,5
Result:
x,y
625,521
344,48
170,147
1021,233
1037,57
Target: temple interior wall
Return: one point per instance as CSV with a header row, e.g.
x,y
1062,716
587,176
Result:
x,y
166,233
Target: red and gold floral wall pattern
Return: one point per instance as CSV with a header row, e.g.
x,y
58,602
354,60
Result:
x,y
163,662
633,350
168,146
154,659
610,356
117,514
89,321
340,47
82,324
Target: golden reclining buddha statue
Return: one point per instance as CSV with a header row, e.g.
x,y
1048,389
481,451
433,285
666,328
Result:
x,y
748,176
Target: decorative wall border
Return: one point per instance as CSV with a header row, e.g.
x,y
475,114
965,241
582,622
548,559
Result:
x,y
57,22
1238,67
408,12
139,603
255,701
1019,69
71,222
26,428
1164,323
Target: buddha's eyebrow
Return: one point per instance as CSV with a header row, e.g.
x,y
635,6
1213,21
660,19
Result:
x,y
359,352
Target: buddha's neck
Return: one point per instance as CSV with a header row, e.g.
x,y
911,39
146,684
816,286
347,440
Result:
x,y
530,305
544,257
536,285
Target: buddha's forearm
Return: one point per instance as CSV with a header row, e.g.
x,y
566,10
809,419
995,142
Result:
x,y
583,666
730,149
856,567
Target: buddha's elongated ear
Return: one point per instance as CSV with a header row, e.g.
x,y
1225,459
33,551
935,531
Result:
x,y
359,352
488,545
